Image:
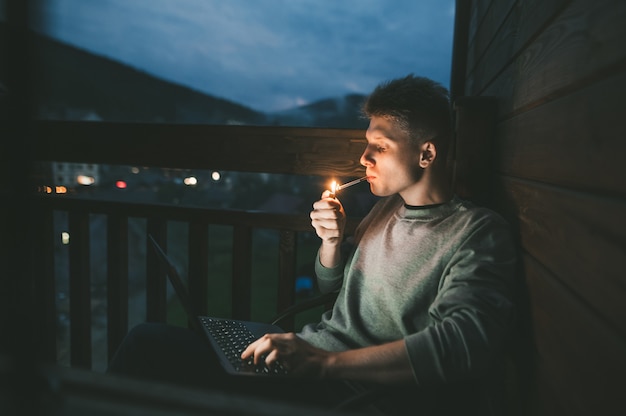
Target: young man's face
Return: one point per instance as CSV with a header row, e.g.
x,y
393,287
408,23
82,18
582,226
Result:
x,y
391,162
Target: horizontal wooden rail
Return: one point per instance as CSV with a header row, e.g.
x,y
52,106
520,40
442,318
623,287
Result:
x,y
258,219
287,150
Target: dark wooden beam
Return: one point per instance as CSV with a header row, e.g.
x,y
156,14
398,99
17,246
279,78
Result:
x,y
287,150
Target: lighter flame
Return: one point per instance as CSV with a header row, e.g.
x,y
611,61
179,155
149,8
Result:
x,y
333,187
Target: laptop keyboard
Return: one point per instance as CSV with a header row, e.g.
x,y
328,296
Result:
x,y
233,338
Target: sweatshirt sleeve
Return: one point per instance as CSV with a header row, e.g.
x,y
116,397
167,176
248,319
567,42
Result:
x,y
328,279
472,312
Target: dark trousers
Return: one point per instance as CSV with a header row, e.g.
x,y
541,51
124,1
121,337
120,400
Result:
x,y
177,355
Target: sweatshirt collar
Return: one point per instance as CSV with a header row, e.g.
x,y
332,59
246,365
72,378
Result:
x,y
429,212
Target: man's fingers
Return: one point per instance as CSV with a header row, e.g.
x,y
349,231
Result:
x,y
329,224
327,204
249,351
271,358
257,349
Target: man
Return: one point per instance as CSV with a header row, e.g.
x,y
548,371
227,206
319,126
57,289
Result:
x,y
425,300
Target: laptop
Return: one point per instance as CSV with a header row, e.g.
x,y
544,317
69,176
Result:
x,y
228,337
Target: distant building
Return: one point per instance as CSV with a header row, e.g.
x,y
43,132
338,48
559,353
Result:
x,y
71,175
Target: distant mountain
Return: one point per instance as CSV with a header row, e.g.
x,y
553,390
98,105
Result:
x,y
331,112
70,83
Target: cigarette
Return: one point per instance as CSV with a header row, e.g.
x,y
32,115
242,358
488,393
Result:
x,y
349,184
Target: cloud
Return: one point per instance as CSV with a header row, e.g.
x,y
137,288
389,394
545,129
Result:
x,y
264,53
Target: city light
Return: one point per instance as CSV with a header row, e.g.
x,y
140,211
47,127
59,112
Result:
x,y
190,181
85,180
120,184
215,176
65,238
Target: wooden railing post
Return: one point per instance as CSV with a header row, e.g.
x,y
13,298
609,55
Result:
x,y
43,267
80,290
286,274
156,307
242,272
117,281
198,265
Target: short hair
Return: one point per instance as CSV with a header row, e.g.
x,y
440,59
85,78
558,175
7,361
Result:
x,y
418,105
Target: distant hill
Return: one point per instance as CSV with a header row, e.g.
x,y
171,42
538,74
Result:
x,y
331,112
70,83
67,79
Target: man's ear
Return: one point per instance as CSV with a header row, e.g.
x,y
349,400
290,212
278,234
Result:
x,y
428,154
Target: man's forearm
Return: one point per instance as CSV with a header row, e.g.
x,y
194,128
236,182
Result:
x,y
387,363
330,255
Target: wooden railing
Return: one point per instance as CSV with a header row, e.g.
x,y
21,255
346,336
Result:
x,y
321,152
299,151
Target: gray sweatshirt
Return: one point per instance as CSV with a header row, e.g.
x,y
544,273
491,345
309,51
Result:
x,y
439,277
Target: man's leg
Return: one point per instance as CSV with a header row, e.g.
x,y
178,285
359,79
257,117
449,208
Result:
x,y
177,355
166,353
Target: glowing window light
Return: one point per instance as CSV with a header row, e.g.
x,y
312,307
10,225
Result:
x,y
190,181
216,176
60,189
65,237
85,180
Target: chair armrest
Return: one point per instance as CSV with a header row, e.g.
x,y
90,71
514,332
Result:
x,y
305,305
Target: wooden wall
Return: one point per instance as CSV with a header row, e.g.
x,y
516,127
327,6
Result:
x,y
557,69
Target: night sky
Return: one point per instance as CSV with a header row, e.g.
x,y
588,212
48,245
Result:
x,y
267,54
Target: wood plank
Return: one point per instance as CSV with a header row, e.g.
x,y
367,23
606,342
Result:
x,y
117,281
156,279
289,150
80,290
473,159
575,142
506,35
473,18
581,361
199,266
287,274
580,238
460,44
242,272
45,292
584,44
490,31
296,222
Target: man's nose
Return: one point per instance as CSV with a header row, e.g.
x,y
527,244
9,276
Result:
x,y
366,158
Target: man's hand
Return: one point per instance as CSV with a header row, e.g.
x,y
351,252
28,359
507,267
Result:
x,y
297,356
329,220
385,363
